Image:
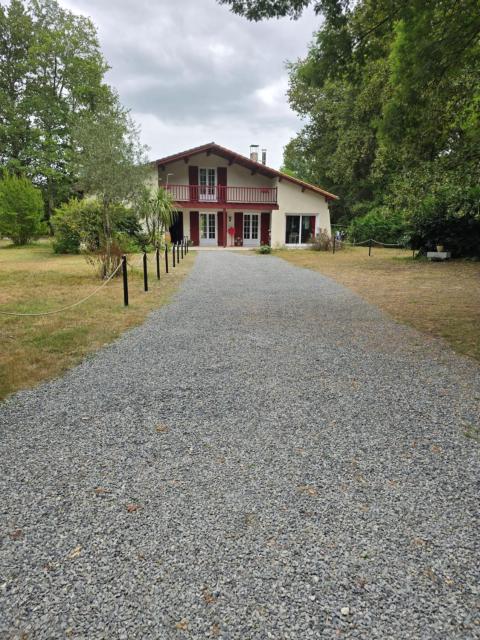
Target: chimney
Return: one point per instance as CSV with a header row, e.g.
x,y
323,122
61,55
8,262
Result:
x,y
254,152
264,156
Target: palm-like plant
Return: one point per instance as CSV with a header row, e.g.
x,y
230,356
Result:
x,y
157,210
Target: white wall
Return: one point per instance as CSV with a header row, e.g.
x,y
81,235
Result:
x,y
292,200
237,176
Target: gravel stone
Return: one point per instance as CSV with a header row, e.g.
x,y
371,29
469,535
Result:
x,y
288,449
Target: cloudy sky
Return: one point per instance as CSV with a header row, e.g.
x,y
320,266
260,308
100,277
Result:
x,y
192,72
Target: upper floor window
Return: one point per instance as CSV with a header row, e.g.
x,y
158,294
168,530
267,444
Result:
x,y
207,179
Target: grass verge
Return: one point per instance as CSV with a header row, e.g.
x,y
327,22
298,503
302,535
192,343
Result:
x,y
438,298
34,279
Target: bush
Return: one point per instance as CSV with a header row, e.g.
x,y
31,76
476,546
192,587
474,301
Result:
x,y
21,210
379,224
264,249
78,224
321,242
450,217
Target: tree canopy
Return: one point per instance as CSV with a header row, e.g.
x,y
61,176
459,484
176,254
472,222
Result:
x,y
390,94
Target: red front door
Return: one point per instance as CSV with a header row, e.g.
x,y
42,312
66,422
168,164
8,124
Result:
x,y
238,229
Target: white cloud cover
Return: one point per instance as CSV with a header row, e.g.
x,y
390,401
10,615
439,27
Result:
x,y
192,72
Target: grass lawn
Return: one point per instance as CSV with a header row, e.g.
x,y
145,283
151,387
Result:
x,y
34,279
438,298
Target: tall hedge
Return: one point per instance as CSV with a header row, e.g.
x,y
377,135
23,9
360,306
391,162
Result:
x,y
21,210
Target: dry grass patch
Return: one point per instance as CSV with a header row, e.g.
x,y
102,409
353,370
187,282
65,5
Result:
x,y
438,298
34,279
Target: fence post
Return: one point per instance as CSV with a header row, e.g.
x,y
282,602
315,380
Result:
x,y
186,244
166,259
173,255
178,253
334,245
125,280
181,248
145,275
370,247
157,258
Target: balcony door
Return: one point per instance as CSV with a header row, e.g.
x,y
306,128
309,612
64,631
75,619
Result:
x,y
208,229
251,232
207,179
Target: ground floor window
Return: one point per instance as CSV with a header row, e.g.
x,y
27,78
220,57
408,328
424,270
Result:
x,y
299,229
207,226
250,226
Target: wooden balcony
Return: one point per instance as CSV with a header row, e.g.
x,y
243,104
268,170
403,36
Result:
x,y
204,196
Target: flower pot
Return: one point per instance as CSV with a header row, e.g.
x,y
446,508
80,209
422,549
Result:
x,y
440,248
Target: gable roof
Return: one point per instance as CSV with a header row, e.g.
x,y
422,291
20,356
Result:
x,y
237,158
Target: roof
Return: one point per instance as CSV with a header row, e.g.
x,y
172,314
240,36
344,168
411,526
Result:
x,y
258,167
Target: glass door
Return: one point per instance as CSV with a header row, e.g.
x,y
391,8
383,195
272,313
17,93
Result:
x,y
208,181
251,235
208,229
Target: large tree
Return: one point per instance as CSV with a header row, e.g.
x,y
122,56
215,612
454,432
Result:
x,y
51,72
110,163
390,93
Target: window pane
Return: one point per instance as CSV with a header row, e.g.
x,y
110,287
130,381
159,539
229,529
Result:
x,y
203,176
203,225
254,227
292,234
305,229
246,226
211,225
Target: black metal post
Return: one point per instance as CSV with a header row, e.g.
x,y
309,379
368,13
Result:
x,y
157,258
186,244
145,274
178,252
166,259
181,248
125,280
370,247
334,244
173,255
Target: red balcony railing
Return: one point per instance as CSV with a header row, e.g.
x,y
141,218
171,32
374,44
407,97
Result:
x,y
248,195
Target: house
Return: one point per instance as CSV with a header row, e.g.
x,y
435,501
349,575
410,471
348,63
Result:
x,y
226,199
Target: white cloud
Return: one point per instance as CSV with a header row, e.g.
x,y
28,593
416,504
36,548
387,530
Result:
x,y
192,72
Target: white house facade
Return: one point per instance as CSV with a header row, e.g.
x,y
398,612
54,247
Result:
x,y
225,199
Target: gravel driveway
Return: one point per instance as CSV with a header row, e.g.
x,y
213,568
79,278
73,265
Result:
x,y
266,457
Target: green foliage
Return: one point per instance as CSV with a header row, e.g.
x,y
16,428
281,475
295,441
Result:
x,y
51,73
390,94
264,249
380,224
156,208
78,225
451,217
21,209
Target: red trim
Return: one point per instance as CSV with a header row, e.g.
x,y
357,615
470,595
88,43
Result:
x,y
231,156
238,238
194,228
246,206
222,182
220,229
222,193
265,228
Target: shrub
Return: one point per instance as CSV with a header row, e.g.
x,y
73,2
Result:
x,y
321,242
450,217
21,210
264,249
379,224
79,224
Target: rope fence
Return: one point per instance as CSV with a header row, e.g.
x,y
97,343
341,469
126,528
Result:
x,y
368,243
180,248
